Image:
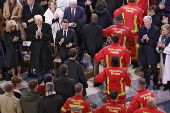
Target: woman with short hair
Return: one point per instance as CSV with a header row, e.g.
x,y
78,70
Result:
x,y
13,42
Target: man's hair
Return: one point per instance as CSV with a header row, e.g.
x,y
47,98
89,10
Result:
x,y
9,87
78,87
49,87
119,18
48,78
142,83
16,80
64,21
148,17
114,95
38,17
115,38
63,69
151,102
155,8
72,52
131,1
115,61
32,84
72,1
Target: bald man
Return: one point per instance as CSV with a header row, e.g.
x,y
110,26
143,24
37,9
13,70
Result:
x,y
151,107
92,37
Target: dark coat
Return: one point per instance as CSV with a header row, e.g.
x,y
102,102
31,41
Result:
x,y
64,86
41,50
2,57
75,71
30,101
26,13
71,37
80,14
51,104
147,50
92,37
156,21
104,18
14,56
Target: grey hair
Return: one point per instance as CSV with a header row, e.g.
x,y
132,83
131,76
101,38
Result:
x,y
72,1
148,17
38,17
49,87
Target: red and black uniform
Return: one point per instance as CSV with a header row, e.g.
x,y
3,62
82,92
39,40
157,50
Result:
x,y
126,37
133,18
149,110
76,104
139,100
107,53
111,107
116,78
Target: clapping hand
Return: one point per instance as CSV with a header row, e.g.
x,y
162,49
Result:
x,y
145,37
165,20
55,16
15,39
69,45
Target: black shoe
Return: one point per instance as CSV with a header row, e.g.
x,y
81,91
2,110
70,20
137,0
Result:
x,y
165,88
97,84
81,62
155,87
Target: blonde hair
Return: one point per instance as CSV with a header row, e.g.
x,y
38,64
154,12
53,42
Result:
x,y
54,2
10,24
166,26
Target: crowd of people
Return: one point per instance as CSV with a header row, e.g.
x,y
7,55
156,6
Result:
x,y
119,32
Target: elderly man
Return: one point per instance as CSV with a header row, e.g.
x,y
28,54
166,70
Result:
x,y
9,103
52,103
76,18
151,107
40,35
148,38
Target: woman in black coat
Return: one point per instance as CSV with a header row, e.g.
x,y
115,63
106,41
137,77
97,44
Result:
x,y
2,60
13,42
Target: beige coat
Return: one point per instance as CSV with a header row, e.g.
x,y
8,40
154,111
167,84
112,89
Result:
x,y
9,104
17,11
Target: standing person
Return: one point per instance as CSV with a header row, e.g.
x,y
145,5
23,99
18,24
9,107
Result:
x,y
126,37
52,103
104,17
75,70
9,103
13,11
31,99
30,10
77,103
65,39
133,17
107,52
116,78
111,106
148,38
41,38
54,16
151,107
92,38
76,18
64,85
13,42
17,82
140,99
2,60
164,47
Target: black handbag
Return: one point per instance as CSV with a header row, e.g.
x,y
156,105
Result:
x,y
8,75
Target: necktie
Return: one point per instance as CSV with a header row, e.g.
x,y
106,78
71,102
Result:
x,y
31,9
72,13
64,34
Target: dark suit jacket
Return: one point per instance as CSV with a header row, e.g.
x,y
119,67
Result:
x,y
26,14
41,53
80,14
71,37
64,86
147,50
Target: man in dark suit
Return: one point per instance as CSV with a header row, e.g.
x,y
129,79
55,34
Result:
x,y
92,38
76,18
41,37
64,85
30,10
148,38
75,70
65,39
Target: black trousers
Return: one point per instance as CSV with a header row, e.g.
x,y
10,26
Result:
x,y
146,71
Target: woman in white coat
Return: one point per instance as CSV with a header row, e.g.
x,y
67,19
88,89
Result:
x,y
163,47
53,16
